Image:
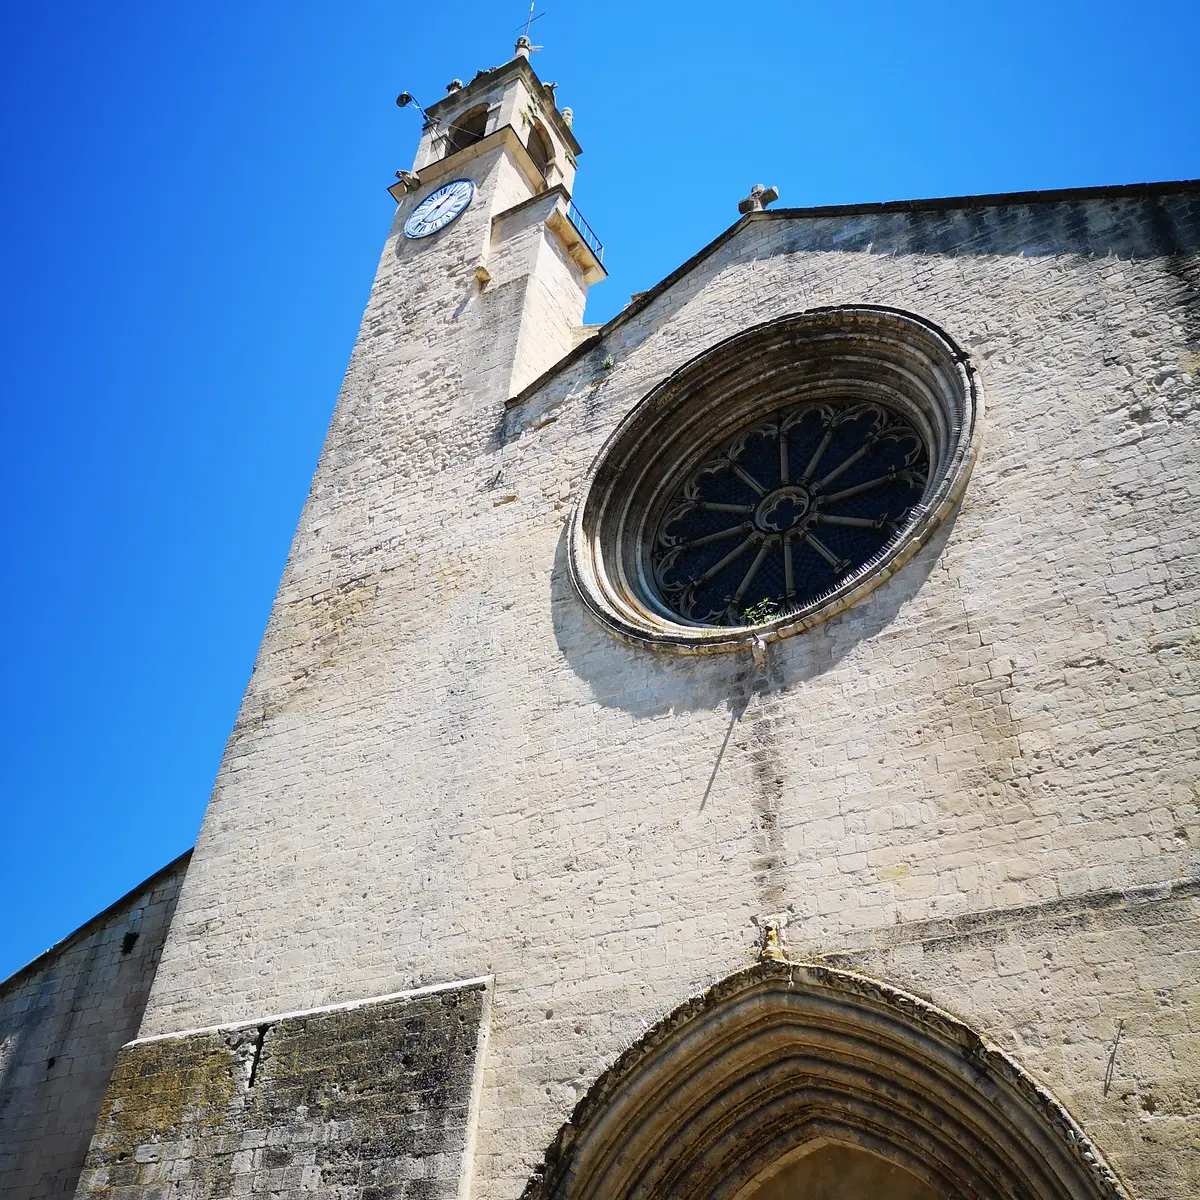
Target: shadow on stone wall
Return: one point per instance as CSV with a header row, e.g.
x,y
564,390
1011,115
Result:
x,y
63,1018
647,684
1137,222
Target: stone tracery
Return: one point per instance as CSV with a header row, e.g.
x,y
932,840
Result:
x,y
782,512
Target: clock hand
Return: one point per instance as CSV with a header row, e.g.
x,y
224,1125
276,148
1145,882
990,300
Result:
x,y
454,196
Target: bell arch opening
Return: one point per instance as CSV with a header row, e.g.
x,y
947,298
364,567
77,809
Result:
x,y
468,129
791,1079
540,149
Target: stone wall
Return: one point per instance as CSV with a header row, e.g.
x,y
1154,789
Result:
x,y
1095,993
525,254
62,1020
372,1101
443,768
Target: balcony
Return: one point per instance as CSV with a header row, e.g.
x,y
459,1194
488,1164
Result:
x,y
594,244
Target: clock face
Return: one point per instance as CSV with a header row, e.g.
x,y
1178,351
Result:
x,y
439,208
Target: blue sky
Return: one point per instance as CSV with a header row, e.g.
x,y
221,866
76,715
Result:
x,y
193,205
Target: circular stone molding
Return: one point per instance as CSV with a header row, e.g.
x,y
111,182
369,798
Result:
x,y
775,479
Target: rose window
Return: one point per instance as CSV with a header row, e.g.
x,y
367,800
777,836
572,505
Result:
x,y
774,479
779,515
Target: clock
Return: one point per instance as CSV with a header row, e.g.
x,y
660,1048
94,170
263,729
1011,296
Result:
x,y
439,208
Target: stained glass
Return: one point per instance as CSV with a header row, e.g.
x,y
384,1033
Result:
x,y
779,515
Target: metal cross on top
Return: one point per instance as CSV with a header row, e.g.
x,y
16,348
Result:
x,y
529,20
758,199
524,47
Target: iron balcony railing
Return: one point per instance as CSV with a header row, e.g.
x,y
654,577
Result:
x,y
585,231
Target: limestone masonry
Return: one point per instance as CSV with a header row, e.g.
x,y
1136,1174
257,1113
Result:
x,y
63,1020
901,903
373,1098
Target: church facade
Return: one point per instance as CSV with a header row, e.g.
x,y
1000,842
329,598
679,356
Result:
x,y
745,750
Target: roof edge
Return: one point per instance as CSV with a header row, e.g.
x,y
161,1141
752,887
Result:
x,y
630,310
1115,191
34,964
935,204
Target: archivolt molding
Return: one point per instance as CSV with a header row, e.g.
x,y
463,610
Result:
x,y
841,356
785,1055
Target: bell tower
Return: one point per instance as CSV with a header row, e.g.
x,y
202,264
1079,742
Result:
x,y
480,289
508,229
360,731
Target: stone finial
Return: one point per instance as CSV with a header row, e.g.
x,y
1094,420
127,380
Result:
x,y
568,116
455,85
523,47
758,199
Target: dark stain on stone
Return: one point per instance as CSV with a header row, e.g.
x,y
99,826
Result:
x,y
372,1100
769,772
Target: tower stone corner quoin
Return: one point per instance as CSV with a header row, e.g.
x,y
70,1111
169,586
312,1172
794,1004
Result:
x,y
744,749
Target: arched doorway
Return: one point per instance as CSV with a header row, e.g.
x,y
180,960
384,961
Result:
x,y
834,1171
792,1081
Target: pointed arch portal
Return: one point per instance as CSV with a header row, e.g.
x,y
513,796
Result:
x,y
795,1080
